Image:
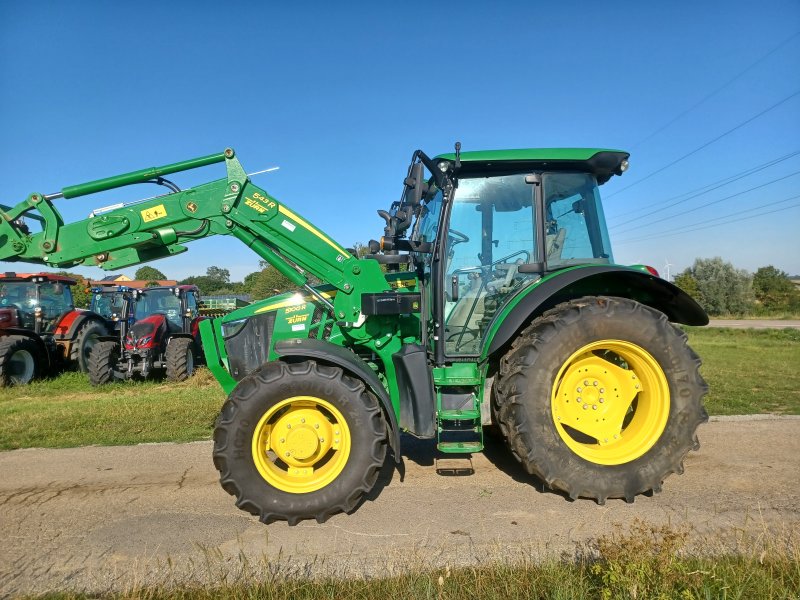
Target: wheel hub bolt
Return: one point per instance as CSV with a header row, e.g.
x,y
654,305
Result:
x,y
316,425
636,386
602,400
594,406
595,384
579,390
579,399
321,439
602,390
288,426
585,382
585,407
302,420
288,454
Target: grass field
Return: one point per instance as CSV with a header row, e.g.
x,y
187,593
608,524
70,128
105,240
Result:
x,y
640,563
748,371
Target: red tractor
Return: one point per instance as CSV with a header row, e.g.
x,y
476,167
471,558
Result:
x,y
159,336
41,331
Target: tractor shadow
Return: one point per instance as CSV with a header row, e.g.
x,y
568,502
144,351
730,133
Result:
x,y
497,453
423,453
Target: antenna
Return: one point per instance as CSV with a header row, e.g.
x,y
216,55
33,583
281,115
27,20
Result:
x,y
667,265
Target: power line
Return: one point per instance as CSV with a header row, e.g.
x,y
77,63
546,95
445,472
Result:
x,y
710,187
707,204
707,144
717,90
668,233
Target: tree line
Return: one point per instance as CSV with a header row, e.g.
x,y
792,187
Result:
x,y
722,289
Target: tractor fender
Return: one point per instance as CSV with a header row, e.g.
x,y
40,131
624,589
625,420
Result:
x,y
37,339
624,282
71,322
328,353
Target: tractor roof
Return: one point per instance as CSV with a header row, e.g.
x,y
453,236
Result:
x,y
601,163
36,277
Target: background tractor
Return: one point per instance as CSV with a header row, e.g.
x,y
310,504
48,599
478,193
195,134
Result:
x,y
157,333
492,297
41,332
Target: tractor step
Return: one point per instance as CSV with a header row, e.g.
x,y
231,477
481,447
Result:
x,y
459,447
458,421
455,466
459,415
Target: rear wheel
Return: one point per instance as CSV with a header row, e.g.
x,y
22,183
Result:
x,y
299,441
19,360
85,339
180,359
103,362
601,398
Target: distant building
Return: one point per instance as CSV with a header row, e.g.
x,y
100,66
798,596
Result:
x,y
115,280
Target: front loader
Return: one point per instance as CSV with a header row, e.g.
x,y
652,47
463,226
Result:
x,y
491,298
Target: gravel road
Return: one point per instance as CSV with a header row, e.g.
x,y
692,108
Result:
x,y
111,518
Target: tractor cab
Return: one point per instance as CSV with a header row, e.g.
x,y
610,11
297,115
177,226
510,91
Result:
x,y
510,218
34,301
110,303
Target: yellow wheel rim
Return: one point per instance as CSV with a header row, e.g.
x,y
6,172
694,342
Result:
x,y
301,444
610,402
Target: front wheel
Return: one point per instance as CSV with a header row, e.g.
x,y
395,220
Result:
x,y
180,359
601,398
103,362
299,441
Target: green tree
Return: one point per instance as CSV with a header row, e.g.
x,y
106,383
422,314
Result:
x,y
149,274
267,282
686,281
722,288
81,293
223,276
773,289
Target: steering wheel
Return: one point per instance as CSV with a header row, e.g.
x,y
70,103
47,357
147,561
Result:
x,y
458,237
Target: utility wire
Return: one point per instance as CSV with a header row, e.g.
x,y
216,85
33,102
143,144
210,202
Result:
x,y
717,90
733,214
707,144
650,237
710,187
707,204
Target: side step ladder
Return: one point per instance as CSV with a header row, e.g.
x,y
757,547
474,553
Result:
x,y
458,423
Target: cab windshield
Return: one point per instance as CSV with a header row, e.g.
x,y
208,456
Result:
x,y
159,301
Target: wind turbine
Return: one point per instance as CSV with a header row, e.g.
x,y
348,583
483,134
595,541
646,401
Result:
x,y
667,265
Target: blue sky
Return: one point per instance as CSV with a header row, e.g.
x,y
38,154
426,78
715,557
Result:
x,y
339,96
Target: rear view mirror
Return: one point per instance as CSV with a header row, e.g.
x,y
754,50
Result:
x,y
415,185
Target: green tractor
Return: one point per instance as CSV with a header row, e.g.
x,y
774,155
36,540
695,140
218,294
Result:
x,y
491,299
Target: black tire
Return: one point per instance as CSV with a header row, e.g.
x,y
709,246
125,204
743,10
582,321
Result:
x,y
250,405
103,362
85,339
20,360
527,398
180,359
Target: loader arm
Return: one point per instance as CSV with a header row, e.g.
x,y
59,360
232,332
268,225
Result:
x,y
130,234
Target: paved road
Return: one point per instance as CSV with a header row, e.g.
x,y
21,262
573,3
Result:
x,y
755,323
104,519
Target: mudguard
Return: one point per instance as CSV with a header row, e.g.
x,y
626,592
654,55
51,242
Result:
x,y
325,352
625,282
70,323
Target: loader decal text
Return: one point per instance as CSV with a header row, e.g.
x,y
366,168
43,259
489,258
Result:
x,y
153,213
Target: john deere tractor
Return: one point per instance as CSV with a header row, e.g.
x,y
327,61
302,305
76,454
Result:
x,y
492,297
